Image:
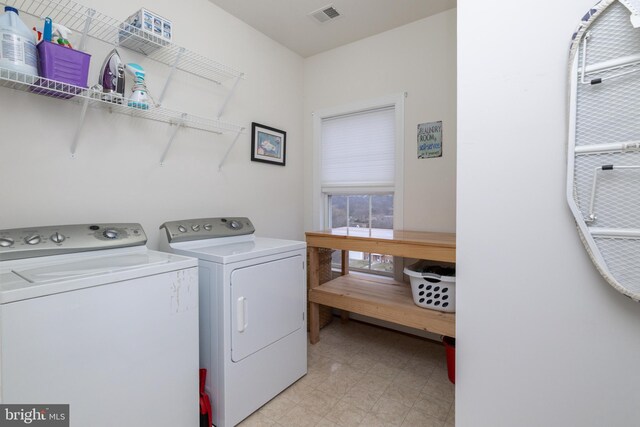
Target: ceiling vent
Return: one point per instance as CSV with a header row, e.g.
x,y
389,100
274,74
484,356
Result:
x,y
325,14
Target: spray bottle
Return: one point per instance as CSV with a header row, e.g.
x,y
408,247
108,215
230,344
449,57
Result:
x,y
63,34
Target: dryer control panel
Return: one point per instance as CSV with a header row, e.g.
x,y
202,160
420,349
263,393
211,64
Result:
x,y
207,228
18,243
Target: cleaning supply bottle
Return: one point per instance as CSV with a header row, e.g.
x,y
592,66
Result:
x,y
17,44
63,34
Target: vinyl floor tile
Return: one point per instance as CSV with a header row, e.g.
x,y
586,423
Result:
x,y
364,376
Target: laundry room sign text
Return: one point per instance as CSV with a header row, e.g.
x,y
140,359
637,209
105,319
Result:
x,y
430,140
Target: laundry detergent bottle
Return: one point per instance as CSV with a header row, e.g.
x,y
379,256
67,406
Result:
x,y
17,44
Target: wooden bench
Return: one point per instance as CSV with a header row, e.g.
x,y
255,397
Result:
x,y
377,297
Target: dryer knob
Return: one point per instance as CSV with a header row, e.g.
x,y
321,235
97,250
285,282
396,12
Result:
x,y
110,234
57,238
5,242
235,225
195,227
208,227
182,229
33,239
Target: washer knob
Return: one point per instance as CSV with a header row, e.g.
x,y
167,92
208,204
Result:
x,y
5,242
235,225
34,239
195,227
57,237
182,229
110,234
208,227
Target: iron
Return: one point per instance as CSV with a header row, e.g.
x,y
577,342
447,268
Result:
x,y
112,78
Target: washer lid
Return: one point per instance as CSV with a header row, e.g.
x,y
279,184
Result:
x,y
52,275
234,250
89,267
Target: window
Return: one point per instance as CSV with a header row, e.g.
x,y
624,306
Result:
x,y
366,211
357,178
358,149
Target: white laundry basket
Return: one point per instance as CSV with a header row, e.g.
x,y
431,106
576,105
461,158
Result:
x,y
433,286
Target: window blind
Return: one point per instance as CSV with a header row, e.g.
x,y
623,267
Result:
x,y
358,149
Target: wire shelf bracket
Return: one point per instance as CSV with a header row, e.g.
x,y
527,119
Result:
x,y
85,30
224,159
172,138
228,97
170,77
76,136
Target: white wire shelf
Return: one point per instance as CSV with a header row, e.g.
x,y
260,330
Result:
x,y
84,20
93,98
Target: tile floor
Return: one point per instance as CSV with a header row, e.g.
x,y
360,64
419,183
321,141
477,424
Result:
x,y
362,375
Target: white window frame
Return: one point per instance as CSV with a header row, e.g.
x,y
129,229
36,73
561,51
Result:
x,y
320,203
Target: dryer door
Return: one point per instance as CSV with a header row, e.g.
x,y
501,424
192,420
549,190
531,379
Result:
x,y
267,303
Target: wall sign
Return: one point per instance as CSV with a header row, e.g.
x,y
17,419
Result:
x,y
430,140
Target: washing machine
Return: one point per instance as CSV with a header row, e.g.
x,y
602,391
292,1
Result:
x,y
90,318
253,335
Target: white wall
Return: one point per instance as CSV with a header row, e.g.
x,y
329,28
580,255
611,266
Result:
x,y
418,58
116,175
542,339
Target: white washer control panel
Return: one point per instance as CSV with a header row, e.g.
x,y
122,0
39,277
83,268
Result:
x,y
17,243
207,228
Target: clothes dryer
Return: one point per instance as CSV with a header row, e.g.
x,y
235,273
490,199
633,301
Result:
x,y
253,335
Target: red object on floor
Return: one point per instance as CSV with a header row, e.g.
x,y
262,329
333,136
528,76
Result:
x,y
450,348
205,403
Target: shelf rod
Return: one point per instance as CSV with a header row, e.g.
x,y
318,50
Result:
x,y
173,136
171,73
612,147
85,31
76,136
229,95
613,63
614,233
230,148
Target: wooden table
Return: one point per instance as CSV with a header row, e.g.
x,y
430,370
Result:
x,y
378,297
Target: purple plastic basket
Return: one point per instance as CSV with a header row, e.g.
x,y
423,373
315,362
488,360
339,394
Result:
x,y
64,65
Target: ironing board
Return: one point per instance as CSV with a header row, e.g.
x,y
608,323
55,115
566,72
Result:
x,y
603,179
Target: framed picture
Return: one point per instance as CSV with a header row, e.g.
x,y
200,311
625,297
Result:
x,y
268,145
